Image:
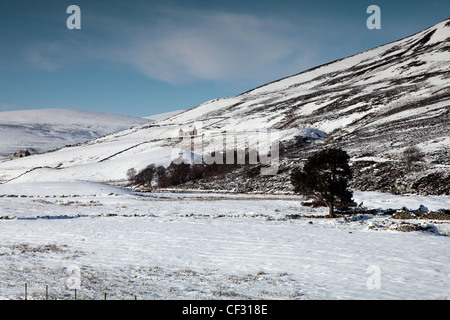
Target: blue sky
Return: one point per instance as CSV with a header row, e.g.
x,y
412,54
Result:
x,y
140,58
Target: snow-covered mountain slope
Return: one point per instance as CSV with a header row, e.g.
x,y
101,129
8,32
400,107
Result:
x,y
373,104
163,116
48,129
398,90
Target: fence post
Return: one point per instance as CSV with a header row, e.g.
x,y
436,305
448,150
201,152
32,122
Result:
x,y
25,291
46,292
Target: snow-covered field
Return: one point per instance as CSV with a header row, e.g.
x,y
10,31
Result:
x,y
105,240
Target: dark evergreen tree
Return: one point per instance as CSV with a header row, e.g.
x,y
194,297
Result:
x,y
324,178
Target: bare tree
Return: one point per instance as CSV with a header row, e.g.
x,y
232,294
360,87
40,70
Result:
x,y
131,175
411,155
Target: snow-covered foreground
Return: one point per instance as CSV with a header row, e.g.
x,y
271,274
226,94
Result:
x,y
101,239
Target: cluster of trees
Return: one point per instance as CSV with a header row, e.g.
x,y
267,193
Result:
x,y
176,174
324,176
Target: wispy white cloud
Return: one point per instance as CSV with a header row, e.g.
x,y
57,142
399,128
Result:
x,y
177,46
215,46
46,55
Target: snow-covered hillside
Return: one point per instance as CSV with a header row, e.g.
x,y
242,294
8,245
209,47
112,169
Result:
x,y
47,129
373,104
163,116
61,231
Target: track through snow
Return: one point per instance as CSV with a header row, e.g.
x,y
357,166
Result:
x,y
210,246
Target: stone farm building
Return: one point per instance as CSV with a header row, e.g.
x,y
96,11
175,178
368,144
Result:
x,y
188,133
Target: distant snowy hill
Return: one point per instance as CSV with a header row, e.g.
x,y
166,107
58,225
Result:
x,y
47,129
373,104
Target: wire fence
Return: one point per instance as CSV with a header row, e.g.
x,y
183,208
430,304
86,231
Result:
x,y
69,294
